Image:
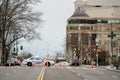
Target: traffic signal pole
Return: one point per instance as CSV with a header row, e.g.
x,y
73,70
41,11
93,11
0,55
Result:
x,y
111,55
97,54
111,52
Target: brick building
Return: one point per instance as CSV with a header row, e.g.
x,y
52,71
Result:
x,y
92,22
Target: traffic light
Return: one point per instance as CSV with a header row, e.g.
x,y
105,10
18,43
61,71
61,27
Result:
x,y
21,47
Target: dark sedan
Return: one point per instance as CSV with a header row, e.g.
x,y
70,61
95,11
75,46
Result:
x,y
75,63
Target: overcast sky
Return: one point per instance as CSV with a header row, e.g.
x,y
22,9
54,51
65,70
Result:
x,y
53,31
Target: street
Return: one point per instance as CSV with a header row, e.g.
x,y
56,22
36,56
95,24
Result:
x,y
60,74
56,72
19,73
59,39
80,73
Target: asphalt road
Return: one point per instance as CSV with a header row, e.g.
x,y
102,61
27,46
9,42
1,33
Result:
x,y
79,73
57,72
19,73
96,74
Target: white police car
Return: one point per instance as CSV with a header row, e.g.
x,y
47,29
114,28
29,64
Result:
x,y
36,60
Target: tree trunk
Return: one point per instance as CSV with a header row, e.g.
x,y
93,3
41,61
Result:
x,y
3,54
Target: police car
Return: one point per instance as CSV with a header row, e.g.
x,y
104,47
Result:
x,y
36,60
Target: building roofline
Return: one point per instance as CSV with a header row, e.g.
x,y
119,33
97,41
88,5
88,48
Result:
x,y
93,18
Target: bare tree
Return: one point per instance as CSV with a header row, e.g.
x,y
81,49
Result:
x,y
17,20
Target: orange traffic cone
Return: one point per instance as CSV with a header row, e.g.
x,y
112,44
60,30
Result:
x,y
93,66
9,65
21,65
60,65
46,64
75,65
33,65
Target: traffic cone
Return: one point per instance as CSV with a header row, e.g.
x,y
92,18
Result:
x,y
33,65
46,64
75,65
92,66
21,65
9,65
60,65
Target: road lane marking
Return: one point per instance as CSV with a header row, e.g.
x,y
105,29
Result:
x,y
41,75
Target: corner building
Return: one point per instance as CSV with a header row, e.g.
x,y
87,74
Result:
x,y
92,23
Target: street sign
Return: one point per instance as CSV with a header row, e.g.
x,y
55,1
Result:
x,y
99,47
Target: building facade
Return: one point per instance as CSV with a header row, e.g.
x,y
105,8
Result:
x,y
89,31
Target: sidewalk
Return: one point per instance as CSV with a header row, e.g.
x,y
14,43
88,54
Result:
x,y
103,67
112,69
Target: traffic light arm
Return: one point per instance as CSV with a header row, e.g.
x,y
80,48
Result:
x,y
112,35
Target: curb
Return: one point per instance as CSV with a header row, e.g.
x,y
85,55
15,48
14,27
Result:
x,y
114,70
108,68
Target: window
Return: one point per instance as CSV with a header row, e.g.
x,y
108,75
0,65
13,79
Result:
x,y
98,6
104,21
105,35
114,21
85,28
73,28
98,21
85,21
31,58
118,36
37,58
99,28
99,35
92,28
107,28
78,21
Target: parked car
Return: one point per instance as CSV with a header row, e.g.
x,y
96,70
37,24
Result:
x,y
75,63
37,61
16,61
12,62
9,63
